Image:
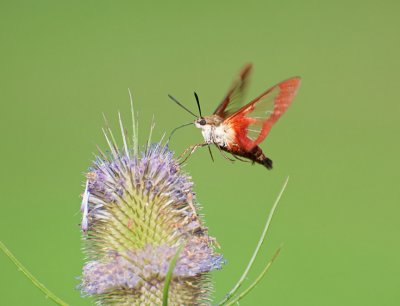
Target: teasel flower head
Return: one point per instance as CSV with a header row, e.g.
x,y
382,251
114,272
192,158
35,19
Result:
x,y
138,209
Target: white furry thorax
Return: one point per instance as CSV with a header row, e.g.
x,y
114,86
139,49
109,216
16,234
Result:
x,y
221,135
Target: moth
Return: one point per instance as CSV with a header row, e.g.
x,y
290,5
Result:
x,y
238,129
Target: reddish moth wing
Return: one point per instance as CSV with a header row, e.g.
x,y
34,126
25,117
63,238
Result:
x,y
238,129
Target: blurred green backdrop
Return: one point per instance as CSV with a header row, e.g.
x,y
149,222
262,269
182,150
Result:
x,y
64,63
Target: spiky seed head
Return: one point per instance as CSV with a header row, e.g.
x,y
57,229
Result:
x,y
137,210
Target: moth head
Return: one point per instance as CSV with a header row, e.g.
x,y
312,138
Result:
x,y
203,122
200,122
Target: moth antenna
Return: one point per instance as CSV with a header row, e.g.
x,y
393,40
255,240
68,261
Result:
x,y
198,103
177,128
181,105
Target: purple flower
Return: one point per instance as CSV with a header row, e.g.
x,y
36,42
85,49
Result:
x,y
137,210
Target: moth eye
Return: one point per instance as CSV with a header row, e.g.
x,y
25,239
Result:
x,y
203,122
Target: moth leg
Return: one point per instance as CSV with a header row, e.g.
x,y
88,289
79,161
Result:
x,y
209,150
185,152
238,158
191,149
224,155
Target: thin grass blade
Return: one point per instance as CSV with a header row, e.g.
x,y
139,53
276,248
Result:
x,y
168,276
257,280
260,242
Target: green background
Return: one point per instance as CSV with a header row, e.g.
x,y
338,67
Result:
x,y
64,63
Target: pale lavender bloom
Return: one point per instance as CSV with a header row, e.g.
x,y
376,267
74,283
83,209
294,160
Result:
x,y
138,209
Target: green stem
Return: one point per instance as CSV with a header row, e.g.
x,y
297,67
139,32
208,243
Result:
x,y
260,242
25,271
168,277
257,280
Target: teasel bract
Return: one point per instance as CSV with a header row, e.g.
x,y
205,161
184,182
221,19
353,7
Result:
x,y
139,210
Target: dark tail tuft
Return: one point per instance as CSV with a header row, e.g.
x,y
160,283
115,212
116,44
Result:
x,y
267,163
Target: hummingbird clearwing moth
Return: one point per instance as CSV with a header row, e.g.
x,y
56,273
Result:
x,y
239,129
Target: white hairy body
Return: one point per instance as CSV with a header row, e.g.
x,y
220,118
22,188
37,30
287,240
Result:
x,y
216,132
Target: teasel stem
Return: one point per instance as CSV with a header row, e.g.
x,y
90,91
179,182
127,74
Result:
x,y
29,275
256,251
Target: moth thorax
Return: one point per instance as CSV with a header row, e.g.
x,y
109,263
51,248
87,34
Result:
x,y
216,134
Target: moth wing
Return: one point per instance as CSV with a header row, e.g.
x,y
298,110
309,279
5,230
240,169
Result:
x,y
234,98
253,121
